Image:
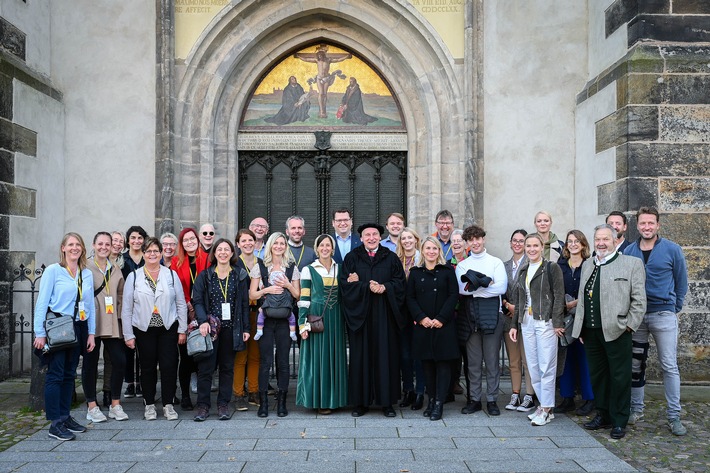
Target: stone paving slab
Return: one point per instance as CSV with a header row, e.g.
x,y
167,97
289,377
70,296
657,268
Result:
x,y
190,467
502,452
404,444
258,456
306,444
413,467
94,467
361,455
546,466
297,467
466,443
206,445
356,433
250,432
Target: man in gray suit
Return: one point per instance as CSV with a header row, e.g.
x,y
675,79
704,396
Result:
x,y
613,304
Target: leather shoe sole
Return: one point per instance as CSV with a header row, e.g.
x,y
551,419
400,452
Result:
x,y
471,407
617,433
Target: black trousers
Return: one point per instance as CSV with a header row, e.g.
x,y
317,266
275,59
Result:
x,y
438,378
223,355
158,346
276,331
610,373
90,368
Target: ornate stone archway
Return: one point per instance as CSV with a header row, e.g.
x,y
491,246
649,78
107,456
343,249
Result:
x,y
197,175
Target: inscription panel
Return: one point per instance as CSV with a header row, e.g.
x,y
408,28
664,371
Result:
x,y
307,141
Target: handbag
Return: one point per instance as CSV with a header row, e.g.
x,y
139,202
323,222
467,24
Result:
x,y
199,347
316,321
60,329
566,339
60,332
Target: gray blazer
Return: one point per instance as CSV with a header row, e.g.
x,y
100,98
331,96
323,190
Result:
x,y
510,293
622,296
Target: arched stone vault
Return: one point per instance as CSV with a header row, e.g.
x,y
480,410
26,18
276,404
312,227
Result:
x,y
247,38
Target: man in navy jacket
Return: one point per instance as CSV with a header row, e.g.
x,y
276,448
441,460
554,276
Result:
x,y
345,239
666,286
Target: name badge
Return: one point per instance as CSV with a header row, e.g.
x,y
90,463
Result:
x,y
82,311
108,302
226,311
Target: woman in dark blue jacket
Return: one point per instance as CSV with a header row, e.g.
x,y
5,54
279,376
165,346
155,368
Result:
x,y
222,292
432,293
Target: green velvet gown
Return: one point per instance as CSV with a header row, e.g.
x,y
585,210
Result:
x,y
323,368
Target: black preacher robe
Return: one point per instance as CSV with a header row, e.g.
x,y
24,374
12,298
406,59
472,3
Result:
x,y
289,113
374,322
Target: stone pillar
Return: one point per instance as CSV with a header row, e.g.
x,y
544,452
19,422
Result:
x,y
661,135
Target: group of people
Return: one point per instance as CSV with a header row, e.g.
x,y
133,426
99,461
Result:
x,y
380,321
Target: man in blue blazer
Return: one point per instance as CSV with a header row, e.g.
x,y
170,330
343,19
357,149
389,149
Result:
x,y
345,239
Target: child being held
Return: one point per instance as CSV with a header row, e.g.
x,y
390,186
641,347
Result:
x,y
276,306
260,325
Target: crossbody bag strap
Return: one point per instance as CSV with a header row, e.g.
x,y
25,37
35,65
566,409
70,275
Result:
x,y
76,302
103,283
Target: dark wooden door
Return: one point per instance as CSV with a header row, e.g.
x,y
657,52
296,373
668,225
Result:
x,y
312,184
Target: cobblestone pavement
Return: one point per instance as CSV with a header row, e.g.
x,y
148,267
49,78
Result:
x,y
650,447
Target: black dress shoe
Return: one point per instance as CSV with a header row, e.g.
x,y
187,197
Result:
x,y
429,407
567,405
471,407
408,399
492,408
359,411
585,409
596,423
617,433
418,402
437,411
388,411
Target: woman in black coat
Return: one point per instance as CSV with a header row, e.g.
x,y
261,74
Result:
x,y
220,291
432,293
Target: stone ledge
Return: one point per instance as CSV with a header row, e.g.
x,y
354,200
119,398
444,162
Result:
x,y
14,137
653,89
623,11
13,67
626,194
675,28
630,123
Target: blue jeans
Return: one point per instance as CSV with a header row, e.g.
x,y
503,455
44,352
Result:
x,y
576,369
663,326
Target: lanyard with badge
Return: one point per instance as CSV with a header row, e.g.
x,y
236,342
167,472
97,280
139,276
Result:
x,y
155,284
80,290
226,306
108,299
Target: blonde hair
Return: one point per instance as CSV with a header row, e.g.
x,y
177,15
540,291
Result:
x,y
440,259
288,258
63,257
535,235
417,246
542,212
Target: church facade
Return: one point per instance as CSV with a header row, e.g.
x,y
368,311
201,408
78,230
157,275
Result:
x,y
174,113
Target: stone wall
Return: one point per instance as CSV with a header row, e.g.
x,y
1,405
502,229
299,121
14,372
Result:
x,y
31,158
658,137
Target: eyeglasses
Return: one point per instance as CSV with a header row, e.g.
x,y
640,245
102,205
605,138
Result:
x,y
518,242
208,233
447,223
342,220
169,245
189,240
573,242
258,225
151,252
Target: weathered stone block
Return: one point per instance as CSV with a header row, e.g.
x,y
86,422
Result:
x,y
12,39
693,346
687,229
673,28
684,195
7,166
18,200
630,123
4,232
644,59
691,6
626,194
14,137
6,96
622,11
685,124
662,159
698,297
663,89
698,260
691,58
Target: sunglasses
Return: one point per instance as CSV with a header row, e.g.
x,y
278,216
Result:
x,y
208,233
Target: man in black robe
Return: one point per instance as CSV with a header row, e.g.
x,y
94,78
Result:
x,y
352,108
372,283
294,105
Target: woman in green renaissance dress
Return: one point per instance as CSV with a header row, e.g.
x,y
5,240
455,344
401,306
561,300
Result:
x,y
323,369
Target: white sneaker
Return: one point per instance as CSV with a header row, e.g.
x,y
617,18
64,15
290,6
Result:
x,y
635,417
150,413
527,404
514,402
542,419
169,412
537,412
95,415
193,383
116,412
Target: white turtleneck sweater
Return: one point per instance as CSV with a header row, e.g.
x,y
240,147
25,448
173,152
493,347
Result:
x,y
488,265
